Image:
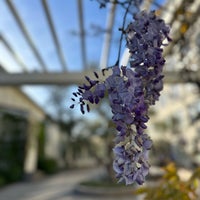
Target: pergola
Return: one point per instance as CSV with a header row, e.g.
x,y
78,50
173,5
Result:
x,y
183,16
182,54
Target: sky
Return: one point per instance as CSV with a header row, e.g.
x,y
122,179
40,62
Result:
x,y
65,19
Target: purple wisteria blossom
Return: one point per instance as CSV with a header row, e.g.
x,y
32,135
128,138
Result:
x,y
131,90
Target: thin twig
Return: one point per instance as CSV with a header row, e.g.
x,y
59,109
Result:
x,y
122,33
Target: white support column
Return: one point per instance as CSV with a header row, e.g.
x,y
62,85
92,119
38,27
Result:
x,y
108,35
31,157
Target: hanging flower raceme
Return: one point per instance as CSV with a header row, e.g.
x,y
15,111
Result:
x,y
131,90
145,37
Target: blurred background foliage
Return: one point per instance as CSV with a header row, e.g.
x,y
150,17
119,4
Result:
x,y
13,129
172,187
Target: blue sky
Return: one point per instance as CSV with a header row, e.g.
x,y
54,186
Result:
x,y
65,18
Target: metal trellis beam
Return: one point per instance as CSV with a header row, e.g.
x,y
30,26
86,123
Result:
x,y
70,78
54,35
14,54
26,34
108,36
82,33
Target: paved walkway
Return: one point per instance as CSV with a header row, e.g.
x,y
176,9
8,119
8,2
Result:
x,y
57,187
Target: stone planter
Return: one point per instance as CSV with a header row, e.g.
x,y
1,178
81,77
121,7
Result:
x,y
104,191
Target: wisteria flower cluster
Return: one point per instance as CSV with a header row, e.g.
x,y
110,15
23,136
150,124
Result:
x,y
131,91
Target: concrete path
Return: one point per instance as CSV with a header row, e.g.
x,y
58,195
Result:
x,y
57,187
